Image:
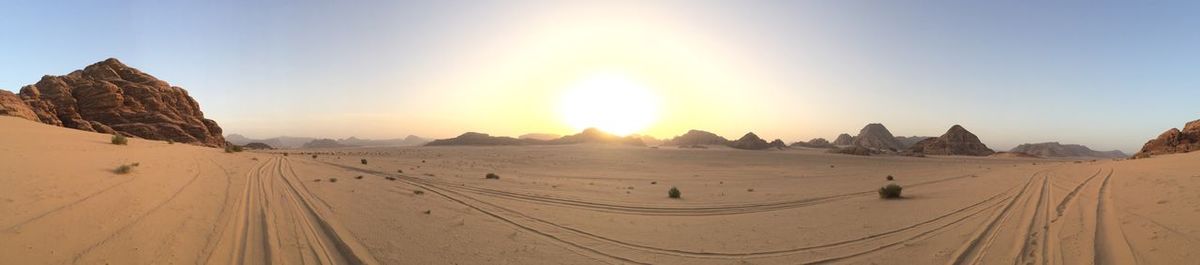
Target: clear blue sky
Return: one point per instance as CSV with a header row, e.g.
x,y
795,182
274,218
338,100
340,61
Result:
x,y
1106,74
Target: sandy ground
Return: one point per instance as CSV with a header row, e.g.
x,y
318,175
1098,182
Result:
x,y
60,203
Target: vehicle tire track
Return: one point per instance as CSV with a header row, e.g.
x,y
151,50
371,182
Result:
x,y
68,205
1111,246
973,250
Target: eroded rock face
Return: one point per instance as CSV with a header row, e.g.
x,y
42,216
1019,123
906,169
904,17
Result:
x,y
843,139
109,97
12,105
750,141
956,141
875,136
1173,141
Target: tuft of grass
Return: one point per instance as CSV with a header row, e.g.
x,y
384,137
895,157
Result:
x,y
390,178
364,161
231,148
400,171
332,179
358,177
491,176
123,169
316,180
891,191
314,156
674,193
169,141
119,139
418,192
890,178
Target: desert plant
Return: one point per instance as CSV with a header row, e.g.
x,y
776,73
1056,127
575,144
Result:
x,y
123,169
119,139
674,193
491,176
332,179
169,141
891,191
136,164
358,177
314,156
364,161
418,192
231,148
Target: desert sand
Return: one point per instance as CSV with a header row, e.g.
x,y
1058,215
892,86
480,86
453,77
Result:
x,y
61,203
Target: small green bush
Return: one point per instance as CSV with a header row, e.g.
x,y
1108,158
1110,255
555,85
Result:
x,y
119,139
891,191
232,148
332,179
123,169
674,193
491,176
364,161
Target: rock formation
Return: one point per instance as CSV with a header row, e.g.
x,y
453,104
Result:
x,y
1173,141
593,135
750,141
777,143
697,137
324,143
474,138
1055,149
956,141
877,137
843,139
909,141
815,143
1013,155
12,105
257,146
109,97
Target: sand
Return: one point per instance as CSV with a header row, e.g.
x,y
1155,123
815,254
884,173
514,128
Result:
x,y
580,204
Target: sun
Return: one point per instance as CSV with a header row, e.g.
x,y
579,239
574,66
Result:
x,y
610,102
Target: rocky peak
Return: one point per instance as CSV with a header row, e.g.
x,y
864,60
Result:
x,y
956,141
875,136
843,139
750,141
110,97
697,137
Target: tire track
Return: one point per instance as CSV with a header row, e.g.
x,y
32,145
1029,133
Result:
x,y
1062,205
1037,229
1111,246
141,217
18,225
650,210
334,245
978,207
972,252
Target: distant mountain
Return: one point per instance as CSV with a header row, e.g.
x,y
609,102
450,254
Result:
x,y
875,136
540,136
590,135
324,143
1173,141
697,137
257,146
750,141
474,138
907,142
956,141
1055,149
298,142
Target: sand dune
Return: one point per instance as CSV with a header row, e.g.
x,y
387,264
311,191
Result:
x,y
577,204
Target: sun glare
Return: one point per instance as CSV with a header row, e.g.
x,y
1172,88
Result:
x,y
610,102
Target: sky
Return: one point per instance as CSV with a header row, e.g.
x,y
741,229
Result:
x,y
1106,74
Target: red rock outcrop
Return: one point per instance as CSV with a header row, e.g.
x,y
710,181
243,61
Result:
x,y
956,141
12,105
1173,141
109,97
